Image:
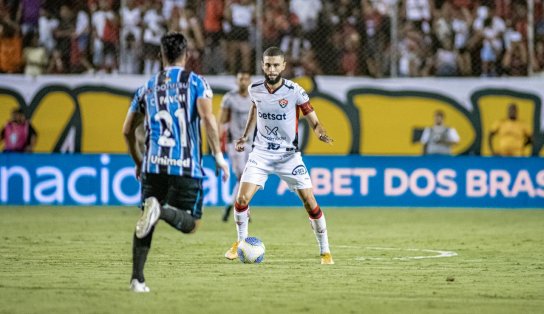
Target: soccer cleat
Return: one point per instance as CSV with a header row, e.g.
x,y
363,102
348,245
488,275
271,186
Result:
x,y
326,259
150,216
136,286
226,213
232,253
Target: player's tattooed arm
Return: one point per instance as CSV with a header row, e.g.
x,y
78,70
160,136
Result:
x,y
204,106
318,128
250,126
132,121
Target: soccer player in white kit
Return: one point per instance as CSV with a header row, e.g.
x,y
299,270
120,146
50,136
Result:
x,y
235,107
277,103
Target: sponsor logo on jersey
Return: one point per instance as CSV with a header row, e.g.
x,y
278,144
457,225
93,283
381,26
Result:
x,y
167,86
272,116
270,138
165,161
269,131
283,102
299,170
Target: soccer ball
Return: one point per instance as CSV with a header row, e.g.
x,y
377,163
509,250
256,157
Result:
x,y
251,250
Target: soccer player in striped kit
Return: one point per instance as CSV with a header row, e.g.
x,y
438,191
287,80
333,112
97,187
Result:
x,y
171,105
277,103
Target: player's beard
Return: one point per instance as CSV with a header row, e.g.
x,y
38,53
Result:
x,y
270,81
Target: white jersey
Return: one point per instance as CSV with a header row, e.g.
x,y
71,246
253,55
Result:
x,y
239,107
277,115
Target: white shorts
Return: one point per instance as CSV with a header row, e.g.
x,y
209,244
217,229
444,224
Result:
x,y
288,166
237,159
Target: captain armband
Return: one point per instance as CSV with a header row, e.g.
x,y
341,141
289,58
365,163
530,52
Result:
x,y
306,108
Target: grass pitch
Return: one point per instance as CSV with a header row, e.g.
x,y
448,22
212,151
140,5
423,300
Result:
x,y
78,260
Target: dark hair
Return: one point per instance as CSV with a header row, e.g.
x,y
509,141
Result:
x,y
243,72
173,46
273,52
439,113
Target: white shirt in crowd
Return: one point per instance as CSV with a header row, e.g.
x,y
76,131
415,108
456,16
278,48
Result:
x,y
153,27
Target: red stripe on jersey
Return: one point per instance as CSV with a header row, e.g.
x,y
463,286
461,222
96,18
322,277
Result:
x,y
306,108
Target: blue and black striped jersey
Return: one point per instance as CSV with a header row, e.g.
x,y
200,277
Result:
x,y
172,124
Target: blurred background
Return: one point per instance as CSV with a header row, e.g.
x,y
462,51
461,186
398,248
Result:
x,y
379,73
373,38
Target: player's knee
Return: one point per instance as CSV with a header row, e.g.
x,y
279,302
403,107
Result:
x,y
189,226
197,224
242,200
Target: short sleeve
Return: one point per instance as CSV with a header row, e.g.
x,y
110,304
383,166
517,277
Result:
x,y
302,96
453,136
137,104
203,89
226,102
250,94
425,136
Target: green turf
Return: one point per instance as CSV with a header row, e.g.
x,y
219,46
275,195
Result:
x,y
78,260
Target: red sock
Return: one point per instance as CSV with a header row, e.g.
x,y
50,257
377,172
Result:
x,y
239,208
315,213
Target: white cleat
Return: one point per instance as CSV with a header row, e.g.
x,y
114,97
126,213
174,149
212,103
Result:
x,y
139,287
150,216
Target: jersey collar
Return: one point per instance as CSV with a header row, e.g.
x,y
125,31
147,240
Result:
x,y
275,90
174,67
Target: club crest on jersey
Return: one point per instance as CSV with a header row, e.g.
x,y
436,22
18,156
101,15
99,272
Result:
x,y
283,102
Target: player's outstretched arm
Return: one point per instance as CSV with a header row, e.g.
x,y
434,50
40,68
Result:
x,y
250,126
318,128
204,106
132,121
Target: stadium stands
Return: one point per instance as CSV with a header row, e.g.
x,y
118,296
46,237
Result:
x,y
347,37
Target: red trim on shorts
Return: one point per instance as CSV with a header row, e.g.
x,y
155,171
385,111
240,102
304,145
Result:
x,y
306,108
239,208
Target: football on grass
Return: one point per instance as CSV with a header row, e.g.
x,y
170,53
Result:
x,y
251,250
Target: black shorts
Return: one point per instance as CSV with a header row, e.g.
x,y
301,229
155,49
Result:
x,y
183,193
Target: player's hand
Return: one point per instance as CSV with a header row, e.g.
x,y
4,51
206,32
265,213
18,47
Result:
x,y
138,171
325,138
240,144
221,165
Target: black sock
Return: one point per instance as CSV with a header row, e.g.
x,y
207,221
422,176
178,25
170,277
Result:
x,y
140,249
177,218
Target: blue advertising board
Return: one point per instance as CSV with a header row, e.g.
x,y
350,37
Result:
x,y
463,181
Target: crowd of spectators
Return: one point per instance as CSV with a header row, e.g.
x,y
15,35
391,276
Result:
x,y
343,37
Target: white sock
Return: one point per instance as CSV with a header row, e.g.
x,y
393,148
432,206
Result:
x,y
242,222
320,230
